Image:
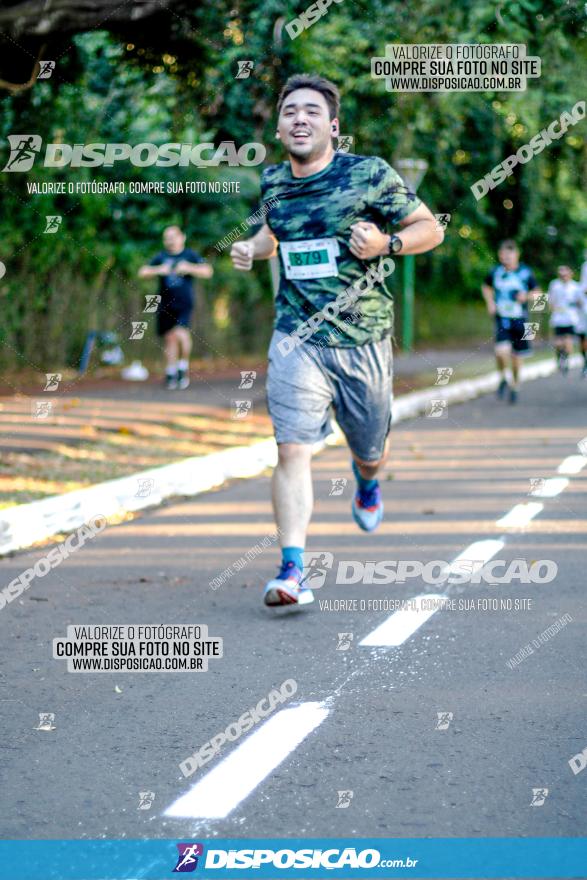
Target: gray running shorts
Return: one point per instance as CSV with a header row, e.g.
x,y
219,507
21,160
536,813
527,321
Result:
x,y
304,383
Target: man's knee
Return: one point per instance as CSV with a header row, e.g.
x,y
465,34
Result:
x,y
378,462
182,334
371,464
294,453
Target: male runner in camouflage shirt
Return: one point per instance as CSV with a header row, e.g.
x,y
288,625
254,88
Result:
x,y
334,315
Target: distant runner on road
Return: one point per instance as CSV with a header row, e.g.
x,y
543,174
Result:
x,y
506,290
328,216
563,300
582,315
175,266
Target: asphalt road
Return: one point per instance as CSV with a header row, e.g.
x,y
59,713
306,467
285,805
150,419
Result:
x,y
364,719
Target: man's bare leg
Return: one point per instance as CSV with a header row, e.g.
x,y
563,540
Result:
x,y
171,345
292,493
184,338
293,499
501,360
502,357
516,364
184,341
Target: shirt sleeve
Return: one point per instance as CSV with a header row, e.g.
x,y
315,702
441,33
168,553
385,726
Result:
x,y
488,280
389,195
157,260
265,203
260,216
531,281
264,184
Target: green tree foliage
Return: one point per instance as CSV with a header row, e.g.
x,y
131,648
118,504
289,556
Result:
x,y
173,78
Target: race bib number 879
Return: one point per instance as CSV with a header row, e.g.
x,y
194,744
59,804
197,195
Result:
x,y
313,258
308,258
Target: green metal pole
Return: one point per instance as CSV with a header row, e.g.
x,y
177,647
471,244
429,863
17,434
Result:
x,y
408,303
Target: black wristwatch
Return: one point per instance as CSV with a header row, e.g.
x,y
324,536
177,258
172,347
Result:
x,y
395,244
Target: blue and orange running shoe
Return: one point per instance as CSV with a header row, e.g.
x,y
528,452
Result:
x,y
288,587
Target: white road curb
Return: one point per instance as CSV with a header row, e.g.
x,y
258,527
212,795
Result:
x,y
24,525
408,406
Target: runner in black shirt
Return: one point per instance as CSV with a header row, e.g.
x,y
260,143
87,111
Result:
x,y
175,266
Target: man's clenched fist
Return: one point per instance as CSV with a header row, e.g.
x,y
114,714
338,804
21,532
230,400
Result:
x,y
241,254
367,241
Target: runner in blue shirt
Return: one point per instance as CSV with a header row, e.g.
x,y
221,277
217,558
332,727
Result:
x,y
506,290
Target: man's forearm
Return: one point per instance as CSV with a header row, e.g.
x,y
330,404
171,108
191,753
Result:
x,y
201,270
264,245
488,296
419,237
149,271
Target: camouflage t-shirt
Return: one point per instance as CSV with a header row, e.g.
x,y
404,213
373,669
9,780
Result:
x,y
319,211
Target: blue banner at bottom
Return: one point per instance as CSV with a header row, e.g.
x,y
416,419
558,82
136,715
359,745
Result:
x,y
276,858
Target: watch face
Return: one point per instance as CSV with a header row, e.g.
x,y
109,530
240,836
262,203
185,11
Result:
x,y
396,245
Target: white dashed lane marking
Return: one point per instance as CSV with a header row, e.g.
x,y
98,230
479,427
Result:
x,y
221,790
400,625
551,488
475,556
520,515
234,778
574,464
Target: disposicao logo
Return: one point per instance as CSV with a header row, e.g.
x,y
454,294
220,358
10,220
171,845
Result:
x,y
23,151
187,859
25,147
328,859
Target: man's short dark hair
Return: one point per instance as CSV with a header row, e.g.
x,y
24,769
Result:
x,y
509,245
318,84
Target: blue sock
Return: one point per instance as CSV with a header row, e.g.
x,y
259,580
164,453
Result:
x,y
293,554
362,483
